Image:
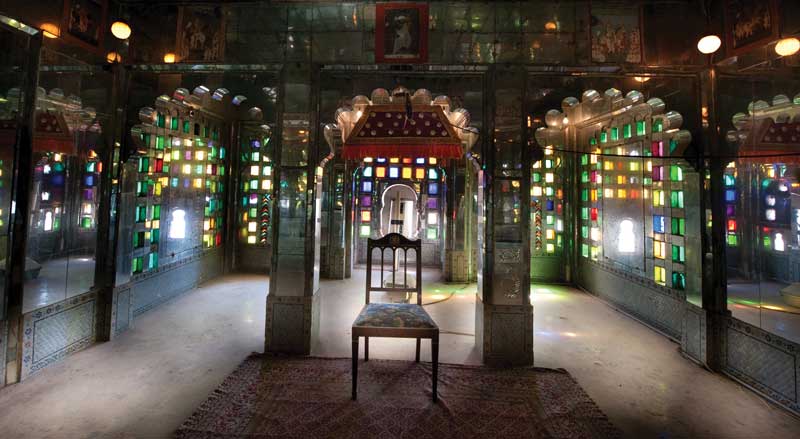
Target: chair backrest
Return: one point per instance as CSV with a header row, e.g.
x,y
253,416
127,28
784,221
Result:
x,y
393,248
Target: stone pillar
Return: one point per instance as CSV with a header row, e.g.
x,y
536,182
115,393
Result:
x,y
337,196
504,314
712,318
459,219
292,304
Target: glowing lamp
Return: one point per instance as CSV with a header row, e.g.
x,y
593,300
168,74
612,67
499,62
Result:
x,y
787,46
169,58
550,26
121,30
50,30
709,44
113,57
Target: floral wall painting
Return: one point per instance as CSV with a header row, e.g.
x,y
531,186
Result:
x,y
201,34
616,35
750,23
85,21
401,33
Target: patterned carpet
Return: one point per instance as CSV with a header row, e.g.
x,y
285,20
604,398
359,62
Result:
x,y
296,397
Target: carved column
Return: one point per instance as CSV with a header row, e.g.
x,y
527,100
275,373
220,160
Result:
x,y
292,304
504,314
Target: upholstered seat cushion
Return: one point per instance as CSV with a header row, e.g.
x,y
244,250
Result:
x,y
394,315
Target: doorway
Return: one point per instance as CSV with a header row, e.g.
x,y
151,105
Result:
x,y
399,211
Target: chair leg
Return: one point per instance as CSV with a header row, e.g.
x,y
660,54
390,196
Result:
x,y
366,348
355,366
418,345
435,365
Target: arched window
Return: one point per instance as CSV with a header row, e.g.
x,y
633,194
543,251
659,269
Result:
x,y
780,245
626,240
177,225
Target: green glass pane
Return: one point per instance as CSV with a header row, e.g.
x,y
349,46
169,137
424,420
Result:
x,y
584,194
432,233
186,126
584,232
155,235
585,177
174,123
640,128
627,131
729,180
584,250
585,157
675,173
585,213
733,240
658,125
615,133
86,222
603,137
159,142
157,212
537,177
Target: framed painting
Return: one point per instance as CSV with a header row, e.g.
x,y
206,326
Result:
x,y
84,22
615,35
749,24
201,34
401,33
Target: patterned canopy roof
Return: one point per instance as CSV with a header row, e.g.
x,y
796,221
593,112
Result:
x,y
386,130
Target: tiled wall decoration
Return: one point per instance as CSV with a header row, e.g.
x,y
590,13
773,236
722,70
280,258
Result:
x,y
55,331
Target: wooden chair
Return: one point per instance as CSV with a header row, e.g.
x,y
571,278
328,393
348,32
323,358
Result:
x,y
396,320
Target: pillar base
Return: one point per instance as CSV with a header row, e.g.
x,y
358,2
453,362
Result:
x,y
504,334
336,263
291,323
701,328
456,266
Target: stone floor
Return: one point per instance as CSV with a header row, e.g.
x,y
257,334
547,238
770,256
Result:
x,y
148,380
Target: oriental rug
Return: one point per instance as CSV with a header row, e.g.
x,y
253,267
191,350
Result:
x,y
305,397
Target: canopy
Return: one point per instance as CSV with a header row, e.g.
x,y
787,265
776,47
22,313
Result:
x,y
387,131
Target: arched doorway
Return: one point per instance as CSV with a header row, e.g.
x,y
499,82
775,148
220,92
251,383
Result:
x,y
399,211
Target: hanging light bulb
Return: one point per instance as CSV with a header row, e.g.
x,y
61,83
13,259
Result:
x,y
169,58
121,30
113,57
787,46
709,44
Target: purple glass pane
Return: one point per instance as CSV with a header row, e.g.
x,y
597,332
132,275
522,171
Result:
x,y
433,203
366,201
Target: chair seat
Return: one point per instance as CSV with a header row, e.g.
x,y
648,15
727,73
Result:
x,y
394,315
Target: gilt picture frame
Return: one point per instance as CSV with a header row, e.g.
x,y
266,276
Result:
x,y
401,33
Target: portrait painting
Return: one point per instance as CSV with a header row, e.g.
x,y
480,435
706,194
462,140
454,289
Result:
x,y
750,23
85,21
616,35
201,34
401,33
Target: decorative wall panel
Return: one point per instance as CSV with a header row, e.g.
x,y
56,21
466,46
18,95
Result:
x,y
157,286
659,307
764,361
53,332
693,336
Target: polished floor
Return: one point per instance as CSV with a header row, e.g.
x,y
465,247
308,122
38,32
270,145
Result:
x,y
144,383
